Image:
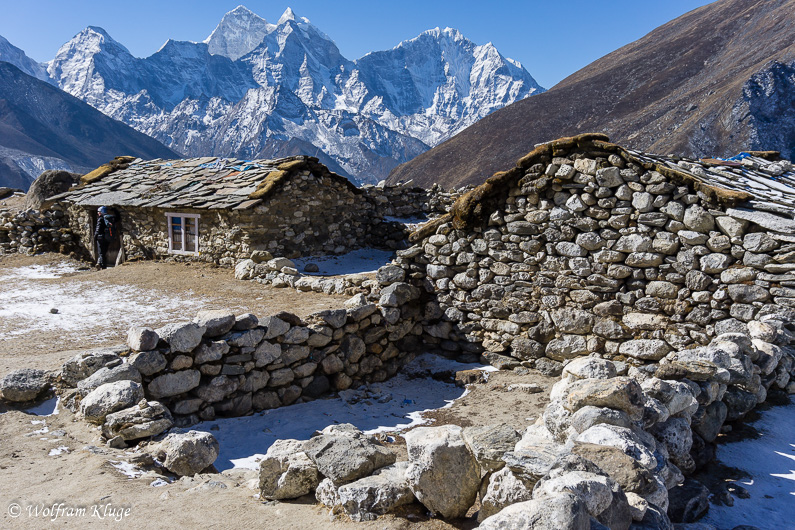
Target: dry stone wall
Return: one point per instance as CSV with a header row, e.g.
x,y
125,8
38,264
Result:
x,y
222,365
31,231
613,448
596,254
407,201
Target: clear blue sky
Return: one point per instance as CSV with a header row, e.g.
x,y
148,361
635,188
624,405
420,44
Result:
x,y
552,39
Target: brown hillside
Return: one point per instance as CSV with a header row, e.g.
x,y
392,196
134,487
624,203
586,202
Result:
x,y
677,90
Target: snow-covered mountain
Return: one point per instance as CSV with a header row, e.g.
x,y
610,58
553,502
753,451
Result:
x,y
11,54
255,89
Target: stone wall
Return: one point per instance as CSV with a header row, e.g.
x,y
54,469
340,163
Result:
x,y
407,201
224,365
614,446
31,231
597,254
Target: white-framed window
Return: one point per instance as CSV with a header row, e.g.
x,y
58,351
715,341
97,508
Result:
x,y
183,233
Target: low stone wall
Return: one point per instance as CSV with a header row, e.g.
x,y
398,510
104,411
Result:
x,y
613,447
31,231
222,365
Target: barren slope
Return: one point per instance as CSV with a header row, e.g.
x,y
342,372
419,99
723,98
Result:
x,y
684,88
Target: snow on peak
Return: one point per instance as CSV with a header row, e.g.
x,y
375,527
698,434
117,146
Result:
x,y
11,54
286,16
265,89
239,32
242,10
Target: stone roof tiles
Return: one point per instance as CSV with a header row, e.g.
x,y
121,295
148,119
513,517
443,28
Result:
x,y
201,183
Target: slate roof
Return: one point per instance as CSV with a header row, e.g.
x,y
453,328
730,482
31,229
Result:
x,y
200,183
771,183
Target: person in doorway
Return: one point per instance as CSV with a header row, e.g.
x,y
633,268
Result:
x,y
104,233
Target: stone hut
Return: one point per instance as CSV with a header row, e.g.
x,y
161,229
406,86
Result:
x,y
587,247
221,210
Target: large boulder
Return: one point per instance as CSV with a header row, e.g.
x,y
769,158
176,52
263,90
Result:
x,y
186,454
147,418
564,510
120,372
25,384
624,439
141,338
442,473
50,183
625,470
621,393
108,398
174,383
346,455
181,338
592,488
380,493
286,472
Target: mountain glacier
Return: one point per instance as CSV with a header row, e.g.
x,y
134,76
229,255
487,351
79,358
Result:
x,y
255,89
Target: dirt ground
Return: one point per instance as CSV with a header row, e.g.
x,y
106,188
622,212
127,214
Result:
x,y
206,286
82,475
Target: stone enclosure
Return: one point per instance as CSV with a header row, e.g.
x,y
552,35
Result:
x,y
660,290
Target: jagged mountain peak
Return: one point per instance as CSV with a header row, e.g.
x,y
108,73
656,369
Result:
x,y
253,89
93,40
13,55
239,32
288,14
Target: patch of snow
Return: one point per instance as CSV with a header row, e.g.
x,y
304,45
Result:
x,y
93,311
47,408
769,460
159,482
61,449
394,405
359,261
126,468
410,221
43,430
35,272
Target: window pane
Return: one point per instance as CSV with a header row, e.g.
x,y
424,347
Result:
x,y
176,233
190,234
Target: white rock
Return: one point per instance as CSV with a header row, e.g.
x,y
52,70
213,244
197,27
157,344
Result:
x,y
286,472
188,453
380,493
563,511
623,438
504,489
442,473
592,488
110,397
